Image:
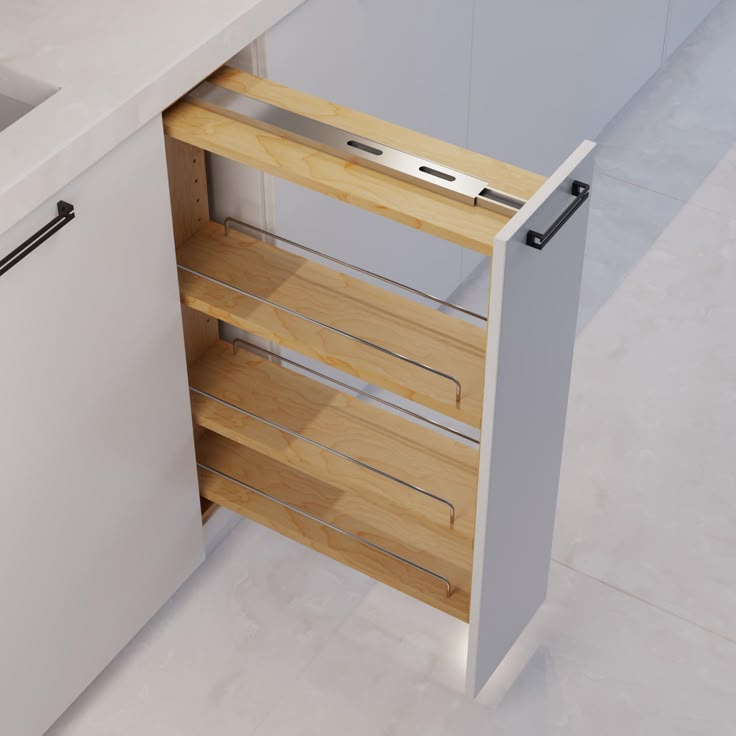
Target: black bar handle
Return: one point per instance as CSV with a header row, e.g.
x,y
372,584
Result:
x,y
581,192
65,215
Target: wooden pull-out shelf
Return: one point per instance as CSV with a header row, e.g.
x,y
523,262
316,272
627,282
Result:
x,y
457,222
345,424
423,544
333,489
323,468
396,323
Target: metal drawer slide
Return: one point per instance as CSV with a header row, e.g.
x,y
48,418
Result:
x,y
422,172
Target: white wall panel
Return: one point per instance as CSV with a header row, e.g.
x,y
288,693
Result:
x,y
564,67
406,62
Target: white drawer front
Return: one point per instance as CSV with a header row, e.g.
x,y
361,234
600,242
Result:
x,y
100,514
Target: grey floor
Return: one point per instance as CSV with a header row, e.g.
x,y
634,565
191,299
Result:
x,y
638,635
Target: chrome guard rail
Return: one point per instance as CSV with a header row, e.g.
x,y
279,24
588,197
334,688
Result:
x,y
232,220
239,342
327,448
362,341
377,548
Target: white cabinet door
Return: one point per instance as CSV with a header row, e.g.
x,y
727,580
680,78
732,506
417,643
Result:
x,y
100,516
531,333
408,63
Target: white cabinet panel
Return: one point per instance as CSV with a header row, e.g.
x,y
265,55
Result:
x,y
564,68
406,62
100,515
685,16
531,333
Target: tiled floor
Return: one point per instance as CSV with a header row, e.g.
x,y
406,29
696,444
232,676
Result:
x,y
638,635
656,153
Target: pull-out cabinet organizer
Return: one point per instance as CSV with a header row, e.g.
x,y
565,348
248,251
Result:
x,y
463,526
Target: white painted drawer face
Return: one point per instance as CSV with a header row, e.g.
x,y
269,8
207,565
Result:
x,y
101,519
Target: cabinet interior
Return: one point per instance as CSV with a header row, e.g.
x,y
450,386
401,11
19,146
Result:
x,y
390,496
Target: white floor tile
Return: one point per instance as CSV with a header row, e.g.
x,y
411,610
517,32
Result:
x,y
403,631
683,121
594,661
226,647
625,220
718,191
648,488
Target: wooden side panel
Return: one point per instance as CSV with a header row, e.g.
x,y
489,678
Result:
x,y
189,213
190,209
531,333
200,331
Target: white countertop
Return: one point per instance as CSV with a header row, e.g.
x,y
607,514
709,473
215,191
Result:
x,y
117,64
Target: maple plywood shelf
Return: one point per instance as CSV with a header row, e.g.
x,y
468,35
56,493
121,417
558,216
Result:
x,y
438,341
333,418
354,497
459,516
318,498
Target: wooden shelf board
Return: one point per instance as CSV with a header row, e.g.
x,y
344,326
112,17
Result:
x,y
344,423
372,522
399,324
466,225
511,179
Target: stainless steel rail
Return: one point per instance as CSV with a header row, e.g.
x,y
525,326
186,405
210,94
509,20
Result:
x,y
422,172
339,530
362,341
329,449
239,342
232,220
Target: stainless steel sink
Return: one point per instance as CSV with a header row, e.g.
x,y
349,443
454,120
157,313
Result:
x,y
19,94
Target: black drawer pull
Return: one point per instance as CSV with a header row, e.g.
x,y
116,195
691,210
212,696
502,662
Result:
x,y
581,192
66,215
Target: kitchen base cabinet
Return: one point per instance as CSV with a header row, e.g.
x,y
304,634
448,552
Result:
x,y
98,482
461,519
684,17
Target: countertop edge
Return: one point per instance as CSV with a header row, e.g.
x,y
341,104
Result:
x,y
113,127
